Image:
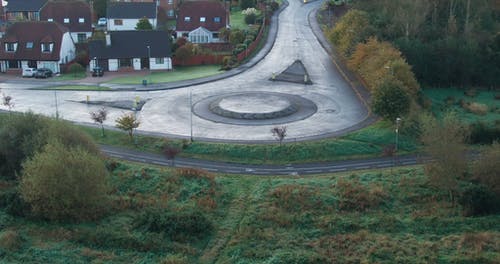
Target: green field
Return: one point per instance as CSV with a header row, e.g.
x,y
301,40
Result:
x,y
450,99
178,74
77,88
159,215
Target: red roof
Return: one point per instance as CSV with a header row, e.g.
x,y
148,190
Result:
x,y
36,32
213,12
74,10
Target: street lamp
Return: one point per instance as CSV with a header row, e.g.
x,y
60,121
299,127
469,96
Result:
x,y
398,120
149,61
190,114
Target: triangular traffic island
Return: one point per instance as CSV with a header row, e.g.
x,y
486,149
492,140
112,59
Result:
x,y
295,73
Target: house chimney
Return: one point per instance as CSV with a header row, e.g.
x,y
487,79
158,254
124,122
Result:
x,y
108,38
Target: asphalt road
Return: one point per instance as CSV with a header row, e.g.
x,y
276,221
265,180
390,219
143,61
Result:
x,y
263,170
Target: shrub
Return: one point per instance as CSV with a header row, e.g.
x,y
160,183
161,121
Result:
x,y
244,4
354,196
294,198
482,133
64,183
477,108
390,100
250,18
10,240
296,257
477,199
13,204
178,224
275,6
486,169
76,68
175,259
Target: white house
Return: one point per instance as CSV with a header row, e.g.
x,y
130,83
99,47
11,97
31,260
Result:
x,y
126,15
132,50
36,44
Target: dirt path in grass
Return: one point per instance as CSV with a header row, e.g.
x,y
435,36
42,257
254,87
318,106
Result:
x,y
230,224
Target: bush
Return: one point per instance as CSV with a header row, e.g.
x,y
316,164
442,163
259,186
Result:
x,y
390,100
10,240
477,108
477,199
244,4
486,169
178,224
75,69
14,205
250,18
354,196
20,138
275,6
296,257
64,183
482,133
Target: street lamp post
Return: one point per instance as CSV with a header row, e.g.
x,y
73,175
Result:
x,y
149,61
398,120
190,114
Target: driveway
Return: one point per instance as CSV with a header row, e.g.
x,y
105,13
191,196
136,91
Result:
x,y
168,112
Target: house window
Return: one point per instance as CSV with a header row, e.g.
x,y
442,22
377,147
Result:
x,y
215,35
46,47
124,63
202,19
66,20
81,20
50,20
118,22
13,64
29,45
170,2
159,60
217,19
82,37
187,19
10,46
170,13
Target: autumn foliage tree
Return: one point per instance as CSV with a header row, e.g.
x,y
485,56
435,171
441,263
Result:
x,y
99,117
128,122
349,31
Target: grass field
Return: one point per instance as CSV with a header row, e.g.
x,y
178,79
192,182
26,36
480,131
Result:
x,y
450,99
178,74
367,142
70,76
164,216
79,88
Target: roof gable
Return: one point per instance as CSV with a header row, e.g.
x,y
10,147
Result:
x,y
24,5
74,10
132,44
208,14
36,33
131,10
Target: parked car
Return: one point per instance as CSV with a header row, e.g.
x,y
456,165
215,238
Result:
x,y
43,73
97,72
29,72
102,21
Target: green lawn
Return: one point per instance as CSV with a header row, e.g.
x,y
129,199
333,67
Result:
x,y
159,215
179,73
70,76
450,99
367,142
237,19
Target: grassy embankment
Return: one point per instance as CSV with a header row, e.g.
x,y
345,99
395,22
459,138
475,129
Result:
x,y
160,215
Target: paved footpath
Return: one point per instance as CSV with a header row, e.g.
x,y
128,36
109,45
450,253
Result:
x,y
294,35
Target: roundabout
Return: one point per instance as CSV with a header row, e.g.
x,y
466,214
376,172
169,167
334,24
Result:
x,y
254,108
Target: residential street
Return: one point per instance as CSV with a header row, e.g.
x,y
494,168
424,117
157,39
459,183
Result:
x,y
168,112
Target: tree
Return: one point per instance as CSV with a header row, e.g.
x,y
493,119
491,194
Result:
x,y
279,133
390,100
64,183
7,101
349,31
444,142
171,152
75,69
486,169
99,117
184,52
128,122
244,4
100,7
144,24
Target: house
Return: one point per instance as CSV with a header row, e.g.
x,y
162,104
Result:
x,y
200,21
132,50
36,44
125,15
166,8
75,15
24,10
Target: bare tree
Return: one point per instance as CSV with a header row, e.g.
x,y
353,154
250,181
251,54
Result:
x,y
171,152
279,133
7,101
99,117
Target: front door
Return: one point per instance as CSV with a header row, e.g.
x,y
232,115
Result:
x,y
144,63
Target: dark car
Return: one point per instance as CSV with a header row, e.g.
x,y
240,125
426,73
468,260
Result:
x,y
97,72
43,73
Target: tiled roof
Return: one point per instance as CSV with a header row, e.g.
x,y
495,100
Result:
x,y
74,10
131,10
24,5
35,32
132,44
210,10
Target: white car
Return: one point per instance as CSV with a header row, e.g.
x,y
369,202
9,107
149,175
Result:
x,y
29,72
102,21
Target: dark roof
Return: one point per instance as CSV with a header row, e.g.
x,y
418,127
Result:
x,y
197,9
24,5
36,32
132,44
69,9
131,10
